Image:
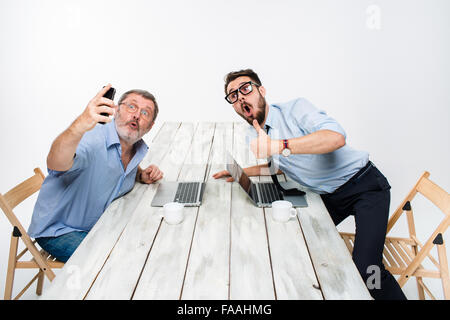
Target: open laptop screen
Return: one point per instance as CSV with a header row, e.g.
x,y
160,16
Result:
x,y
239,175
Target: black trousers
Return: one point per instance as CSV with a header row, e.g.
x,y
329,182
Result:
x,y
366,196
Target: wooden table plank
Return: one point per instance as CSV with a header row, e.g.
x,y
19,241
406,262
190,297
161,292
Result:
x,y
182,143
163,274
207,274
337,274
250,271
161,144
76,278
118,277
196,162
293,272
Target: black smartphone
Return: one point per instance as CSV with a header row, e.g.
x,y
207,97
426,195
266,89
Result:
x,y
110,95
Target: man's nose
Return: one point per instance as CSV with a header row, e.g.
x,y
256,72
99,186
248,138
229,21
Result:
x,y
241,97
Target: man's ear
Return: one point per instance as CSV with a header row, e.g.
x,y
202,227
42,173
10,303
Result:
x,y
262,90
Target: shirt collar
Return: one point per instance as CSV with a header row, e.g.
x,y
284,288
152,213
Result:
x,y
269,119
112,137
141,146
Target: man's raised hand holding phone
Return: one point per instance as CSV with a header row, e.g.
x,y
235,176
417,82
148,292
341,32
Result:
x,y
60,157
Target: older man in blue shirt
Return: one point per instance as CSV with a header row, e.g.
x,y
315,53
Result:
x,y
309,146
89,166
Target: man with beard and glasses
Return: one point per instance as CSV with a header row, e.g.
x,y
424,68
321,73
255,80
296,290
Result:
x,y
91,165
309,146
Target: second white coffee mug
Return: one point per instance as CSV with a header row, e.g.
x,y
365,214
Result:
x,y
173,212
282,211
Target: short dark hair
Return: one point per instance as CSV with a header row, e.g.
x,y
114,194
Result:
x,y
241,73
145,94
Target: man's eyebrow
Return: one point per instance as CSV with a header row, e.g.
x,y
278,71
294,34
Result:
x,y
231,90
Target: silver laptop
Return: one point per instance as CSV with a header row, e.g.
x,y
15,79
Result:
x,y
188,193
263,194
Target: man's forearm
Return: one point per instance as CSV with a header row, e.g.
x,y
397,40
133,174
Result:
x,y
322,141
259,170
62,151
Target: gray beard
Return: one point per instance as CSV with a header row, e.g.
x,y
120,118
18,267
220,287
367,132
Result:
x,y
127,137
130,138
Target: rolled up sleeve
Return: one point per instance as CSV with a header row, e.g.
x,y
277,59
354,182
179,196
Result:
x,y
80,161
311,119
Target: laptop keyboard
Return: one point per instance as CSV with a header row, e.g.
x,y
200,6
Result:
x,y
269,192
187,192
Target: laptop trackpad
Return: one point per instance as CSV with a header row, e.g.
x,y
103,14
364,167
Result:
x,y
164,194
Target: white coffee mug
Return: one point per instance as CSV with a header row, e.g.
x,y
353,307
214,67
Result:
x,y
173,212
282,211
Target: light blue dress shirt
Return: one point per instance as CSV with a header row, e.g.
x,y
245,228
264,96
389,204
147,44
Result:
x,y
322,173
74,200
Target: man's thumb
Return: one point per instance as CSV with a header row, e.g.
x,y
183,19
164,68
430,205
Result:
x,y
256,125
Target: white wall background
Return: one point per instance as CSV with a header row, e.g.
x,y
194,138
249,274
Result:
x,y
380,67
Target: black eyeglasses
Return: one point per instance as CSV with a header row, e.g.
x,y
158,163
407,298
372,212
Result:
x,y
245,89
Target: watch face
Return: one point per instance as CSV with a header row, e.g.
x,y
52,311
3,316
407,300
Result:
x,y
286,152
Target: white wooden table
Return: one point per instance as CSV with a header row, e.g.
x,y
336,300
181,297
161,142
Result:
x,y
225,249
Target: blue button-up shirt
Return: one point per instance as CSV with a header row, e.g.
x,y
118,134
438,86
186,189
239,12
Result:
x,y
74,200
322,173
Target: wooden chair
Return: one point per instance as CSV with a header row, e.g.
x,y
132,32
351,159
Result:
x,y
41,259
404,256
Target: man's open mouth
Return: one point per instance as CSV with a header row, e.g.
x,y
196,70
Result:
x,y
133,125
247,110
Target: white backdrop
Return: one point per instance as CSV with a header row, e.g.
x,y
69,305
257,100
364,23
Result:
x,y
380,68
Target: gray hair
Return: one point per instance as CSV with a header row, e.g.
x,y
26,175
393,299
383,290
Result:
x,y
145,94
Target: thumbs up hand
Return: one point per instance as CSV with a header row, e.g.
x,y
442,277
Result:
x,y
263,146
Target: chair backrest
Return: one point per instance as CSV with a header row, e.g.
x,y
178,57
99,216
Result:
x,y
8,202
434,193
19,193
441,199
